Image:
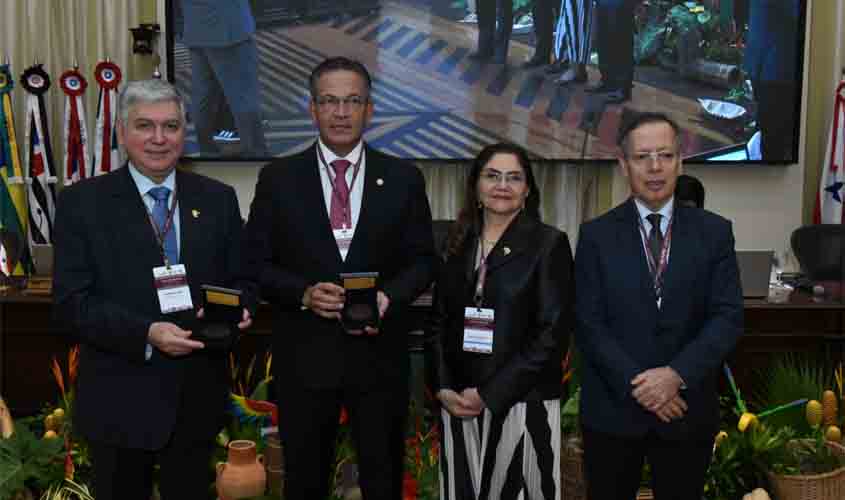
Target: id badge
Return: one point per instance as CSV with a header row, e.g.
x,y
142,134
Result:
x,y
478,329
343,237
174,295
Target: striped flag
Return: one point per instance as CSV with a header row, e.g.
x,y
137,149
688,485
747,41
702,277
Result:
x,y
5,266
106,153
77,158
13,214
41,189
830,196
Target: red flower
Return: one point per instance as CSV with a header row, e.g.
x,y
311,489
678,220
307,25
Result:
x,y
344,417
409,487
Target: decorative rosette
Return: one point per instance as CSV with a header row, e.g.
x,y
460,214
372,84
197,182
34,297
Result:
x,y
7,83
35,80
108,75
73,83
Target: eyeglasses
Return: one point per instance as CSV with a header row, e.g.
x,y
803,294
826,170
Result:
x,y
496,177
647,157
332,102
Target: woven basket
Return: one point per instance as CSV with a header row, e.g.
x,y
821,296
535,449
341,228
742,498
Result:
x,y
827,486
572,477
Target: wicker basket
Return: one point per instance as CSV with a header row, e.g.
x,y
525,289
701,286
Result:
x,y
827,486
572,477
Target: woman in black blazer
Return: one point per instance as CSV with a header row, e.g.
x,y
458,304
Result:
x,y
500,324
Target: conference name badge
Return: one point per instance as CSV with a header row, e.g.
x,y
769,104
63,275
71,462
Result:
x,y
478,329
343,237
171,284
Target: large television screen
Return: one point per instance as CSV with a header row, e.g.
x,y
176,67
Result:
x,y
449,79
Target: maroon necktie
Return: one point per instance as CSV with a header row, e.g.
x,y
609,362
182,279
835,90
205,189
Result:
x,y
340,212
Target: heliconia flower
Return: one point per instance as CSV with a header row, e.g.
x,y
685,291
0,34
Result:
x,y
57,375
72,364
409,487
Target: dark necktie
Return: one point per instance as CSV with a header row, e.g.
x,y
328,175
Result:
x,y
655,239
340,210
160,195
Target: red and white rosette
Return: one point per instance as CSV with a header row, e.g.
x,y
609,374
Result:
x,y
106,153
108,75
77,159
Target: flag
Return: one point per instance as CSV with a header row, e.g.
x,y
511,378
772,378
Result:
x,y
41,178
77,158
106,156
5,268
13,211
829,198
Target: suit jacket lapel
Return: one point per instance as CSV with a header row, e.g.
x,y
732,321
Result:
x,y
371,200
130,215
190,199
514,242
681,257
314,207
631,251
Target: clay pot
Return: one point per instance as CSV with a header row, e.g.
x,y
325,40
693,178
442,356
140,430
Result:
x,y
273,457
243,475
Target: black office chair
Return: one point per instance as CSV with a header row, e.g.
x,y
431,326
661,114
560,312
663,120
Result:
x,y
820,250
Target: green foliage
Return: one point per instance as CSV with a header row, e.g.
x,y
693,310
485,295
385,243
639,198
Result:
x,y
809,456
789,377
569,414
27,460
649,42
67,490
741,460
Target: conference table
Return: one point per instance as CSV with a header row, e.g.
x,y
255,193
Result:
x,y
30,338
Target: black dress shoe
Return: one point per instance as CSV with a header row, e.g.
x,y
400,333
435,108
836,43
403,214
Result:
x,y
617,96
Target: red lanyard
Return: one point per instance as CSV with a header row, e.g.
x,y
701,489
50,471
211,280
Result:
x,y
161,233
482,275
333,181
657,268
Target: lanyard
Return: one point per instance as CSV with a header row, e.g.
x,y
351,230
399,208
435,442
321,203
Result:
x,y
161,233
333,181
482,275
657,268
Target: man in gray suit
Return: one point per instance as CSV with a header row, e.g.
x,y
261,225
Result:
x,y
224,71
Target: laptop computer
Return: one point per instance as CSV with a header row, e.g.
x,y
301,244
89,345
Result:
x,y
42,259
755,269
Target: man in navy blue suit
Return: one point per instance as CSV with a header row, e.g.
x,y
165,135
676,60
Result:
x,y
224,71
658,307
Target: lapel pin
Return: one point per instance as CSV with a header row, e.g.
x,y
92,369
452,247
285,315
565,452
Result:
x,y
380,181
507,250
195,213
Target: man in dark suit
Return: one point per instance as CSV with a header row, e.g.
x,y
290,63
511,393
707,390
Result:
x,y
147,392
771,61
615,46
224,72
658,307
340,206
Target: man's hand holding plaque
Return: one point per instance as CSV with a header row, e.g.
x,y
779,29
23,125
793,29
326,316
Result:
x,y
363,304
222,315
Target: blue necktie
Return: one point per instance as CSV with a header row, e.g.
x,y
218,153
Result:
x,y
160,195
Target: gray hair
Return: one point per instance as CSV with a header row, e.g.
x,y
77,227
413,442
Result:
x,y
148,92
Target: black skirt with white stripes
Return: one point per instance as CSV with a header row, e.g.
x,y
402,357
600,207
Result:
x,y
510,457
